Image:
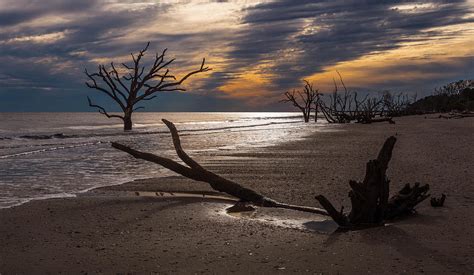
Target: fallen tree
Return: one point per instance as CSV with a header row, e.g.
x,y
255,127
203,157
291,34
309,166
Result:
x,y
457,115
370,204
348,107
196,172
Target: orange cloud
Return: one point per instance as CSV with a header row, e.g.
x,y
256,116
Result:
x,y
403,64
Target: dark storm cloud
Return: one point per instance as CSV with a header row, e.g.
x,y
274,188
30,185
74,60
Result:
x,y
15,12
87,32
89,27
44,75
45,45
323,33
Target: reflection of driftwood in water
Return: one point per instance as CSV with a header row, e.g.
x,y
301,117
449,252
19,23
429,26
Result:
x,y
196,172
370,199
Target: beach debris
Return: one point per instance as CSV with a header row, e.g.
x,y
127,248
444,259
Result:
x,y
457,115
347,106
195,171
438,202
240,207
370,199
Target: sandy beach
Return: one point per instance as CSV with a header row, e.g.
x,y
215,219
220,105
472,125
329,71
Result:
x,y
129,229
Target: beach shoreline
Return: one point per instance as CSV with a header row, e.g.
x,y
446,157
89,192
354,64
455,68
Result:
x,y
112,229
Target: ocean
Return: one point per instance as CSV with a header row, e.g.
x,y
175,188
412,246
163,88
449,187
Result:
x,y
46,155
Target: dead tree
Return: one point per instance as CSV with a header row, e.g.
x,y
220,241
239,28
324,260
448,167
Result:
x,y
370,203
370,199
395,105
347,107
371,108
340,109
304,100
128,85
196,172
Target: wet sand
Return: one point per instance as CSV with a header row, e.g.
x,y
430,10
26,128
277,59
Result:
x,y
116,229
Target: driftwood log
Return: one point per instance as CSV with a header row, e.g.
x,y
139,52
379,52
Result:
x,y
375,120
370,203
370,199
196,172
438,202
455,115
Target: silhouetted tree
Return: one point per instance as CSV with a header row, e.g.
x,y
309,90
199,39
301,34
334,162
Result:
x,y
347,107
129,84
395,104
304,100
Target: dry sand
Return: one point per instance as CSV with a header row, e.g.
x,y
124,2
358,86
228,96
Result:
x,y
112,230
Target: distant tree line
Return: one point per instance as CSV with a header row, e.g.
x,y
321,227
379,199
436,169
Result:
x,y
130,84
346,106
456,96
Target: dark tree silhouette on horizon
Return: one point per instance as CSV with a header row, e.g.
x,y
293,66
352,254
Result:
x,y
304,100
128,85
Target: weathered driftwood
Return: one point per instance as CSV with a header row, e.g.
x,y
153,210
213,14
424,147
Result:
x,y
196,172
370,198
438,202
405,200
457,115
375,120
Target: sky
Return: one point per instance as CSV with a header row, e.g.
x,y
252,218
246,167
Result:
x,y
257,49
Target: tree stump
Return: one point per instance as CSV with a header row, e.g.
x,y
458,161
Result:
x,y
370,198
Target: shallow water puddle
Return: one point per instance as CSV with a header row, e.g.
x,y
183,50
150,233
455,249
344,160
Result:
x,y
271,216
288,219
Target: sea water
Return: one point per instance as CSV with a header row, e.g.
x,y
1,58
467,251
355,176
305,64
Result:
x,y
44,155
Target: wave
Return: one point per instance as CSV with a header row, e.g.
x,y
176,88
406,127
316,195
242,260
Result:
x,y
49,149
136,133
58,136
14,201
95,127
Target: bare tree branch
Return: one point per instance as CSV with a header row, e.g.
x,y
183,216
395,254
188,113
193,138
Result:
x,y
196,172
102,110
308,97
137,83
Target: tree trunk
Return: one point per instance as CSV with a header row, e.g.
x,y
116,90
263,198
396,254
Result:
x,y
316,113
306,116
370,198
127,121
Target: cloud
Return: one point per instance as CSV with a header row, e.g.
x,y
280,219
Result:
x,y
301,38
257,49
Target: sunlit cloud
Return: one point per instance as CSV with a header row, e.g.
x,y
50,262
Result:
x,y
40,38
414,66
257,49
